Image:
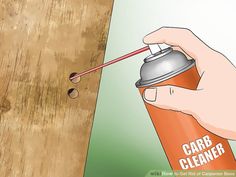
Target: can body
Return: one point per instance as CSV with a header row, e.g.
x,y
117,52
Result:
x,y
188,146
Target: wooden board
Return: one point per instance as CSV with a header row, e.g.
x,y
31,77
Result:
x,y
42,131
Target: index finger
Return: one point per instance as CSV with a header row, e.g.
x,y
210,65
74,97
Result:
x,y
183,38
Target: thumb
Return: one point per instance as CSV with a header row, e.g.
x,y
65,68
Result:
x,y
172,97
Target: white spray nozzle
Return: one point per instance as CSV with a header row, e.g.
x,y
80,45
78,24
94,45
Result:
x,y
154,48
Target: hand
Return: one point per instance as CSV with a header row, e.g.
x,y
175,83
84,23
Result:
x,y
213,103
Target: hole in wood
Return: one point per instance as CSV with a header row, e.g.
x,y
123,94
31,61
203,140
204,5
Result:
x,y
73,93
75,80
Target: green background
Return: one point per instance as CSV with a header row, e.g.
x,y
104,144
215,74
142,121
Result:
x,y
123,141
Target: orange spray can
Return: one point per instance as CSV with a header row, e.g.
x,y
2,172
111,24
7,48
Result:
x,y
188,146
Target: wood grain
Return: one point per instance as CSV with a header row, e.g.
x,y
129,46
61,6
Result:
x,y
44,133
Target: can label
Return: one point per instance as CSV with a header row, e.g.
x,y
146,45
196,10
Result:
x,y
200,152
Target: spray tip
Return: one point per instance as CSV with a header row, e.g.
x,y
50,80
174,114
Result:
x,y
154,48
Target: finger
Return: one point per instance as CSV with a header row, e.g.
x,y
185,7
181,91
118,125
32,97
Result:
x,y
172,97
183,38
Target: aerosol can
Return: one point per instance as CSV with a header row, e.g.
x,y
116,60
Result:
x,y
188,146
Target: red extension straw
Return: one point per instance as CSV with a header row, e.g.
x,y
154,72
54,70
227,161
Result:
x,y
111,62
